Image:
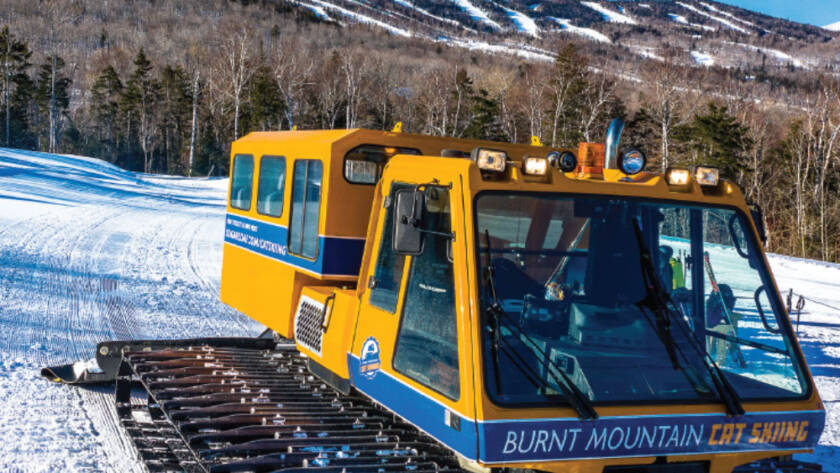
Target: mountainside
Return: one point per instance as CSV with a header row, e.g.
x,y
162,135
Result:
x,y
833,26
711,33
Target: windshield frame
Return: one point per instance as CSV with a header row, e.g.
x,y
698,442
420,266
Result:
x,y
763,269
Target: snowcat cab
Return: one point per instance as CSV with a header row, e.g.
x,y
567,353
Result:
x,y
525,306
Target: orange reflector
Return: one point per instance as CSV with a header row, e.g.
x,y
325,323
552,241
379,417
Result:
x,y
591,160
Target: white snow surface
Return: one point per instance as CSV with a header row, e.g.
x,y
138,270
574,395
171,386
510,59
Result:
x,y
522,51
477,14
567,26
360,18
726,13
678,18
523,22
713,17
423,12
610,15
780,55
833,26
90,252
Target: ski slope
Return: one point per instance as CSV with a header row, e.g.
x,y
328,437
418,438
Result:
x,y
89,252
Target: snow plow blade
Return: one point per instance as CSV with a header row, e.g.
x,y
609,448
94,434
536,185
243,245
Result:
x,y
109,355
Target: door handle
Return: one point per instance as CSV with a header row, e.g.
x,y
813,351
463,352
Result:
x,y
325,322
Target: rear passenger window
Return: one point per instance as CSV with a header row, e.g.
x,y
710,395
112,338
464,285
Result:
x,y
306,208
241,181
272,182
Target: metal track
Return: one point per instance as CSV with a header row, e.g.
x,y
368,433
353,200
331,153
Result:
x,y
223,409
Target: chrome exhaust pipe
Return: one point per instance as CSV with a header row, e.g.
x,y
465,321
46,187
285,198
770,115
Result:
x,y
611,148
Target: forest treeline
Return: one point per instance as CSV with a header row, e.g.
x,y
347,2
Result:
x,y
180,117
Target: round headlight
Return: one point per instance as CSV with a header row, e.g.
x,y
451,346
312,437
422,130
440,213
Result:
x,y
633,162
565,161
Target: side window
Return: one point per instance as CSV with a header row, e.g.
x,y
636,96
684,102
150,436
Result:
x,y
389,266
241,181
272,182
306,208
427,342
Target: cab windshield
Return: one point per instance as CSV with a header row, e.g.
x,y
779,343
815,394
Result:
x,y
564,289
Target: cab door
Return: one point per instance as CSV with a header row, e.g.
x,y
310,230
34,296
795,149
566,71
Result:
x,y
410,350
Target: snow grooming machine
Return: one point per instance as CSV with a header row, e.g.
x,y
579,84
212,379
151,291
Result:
x,y
444,304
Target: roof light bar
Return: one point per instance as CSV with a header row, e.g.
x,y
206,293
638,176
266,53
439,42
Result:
x,y
707,176
490,160
535,165
677,177
633,162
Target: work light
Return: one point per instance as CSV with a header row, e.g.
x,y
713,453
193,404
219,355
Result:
x,y
677,177
534,166
489,160
707,176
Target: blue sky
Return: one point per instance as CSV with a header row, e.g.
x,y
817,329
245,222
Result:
x,y
815,12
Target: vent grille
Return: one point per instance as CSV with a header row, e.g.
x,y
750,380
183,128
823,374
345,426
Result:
x,y
308,321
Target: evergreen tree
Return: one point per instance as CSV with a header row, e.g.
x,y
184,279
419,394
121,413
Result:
x,y
52,99
139,103
265,100
14,62
567,85
175,104
717,139
105,108
484,121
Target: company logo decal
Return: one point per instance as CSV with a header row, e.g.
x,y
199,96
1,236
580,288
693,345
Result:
x,y
650,436
369,363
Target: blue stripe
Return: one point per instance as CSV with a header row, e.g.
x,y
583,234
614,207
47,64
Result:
x,y
335,256
417,408
545,440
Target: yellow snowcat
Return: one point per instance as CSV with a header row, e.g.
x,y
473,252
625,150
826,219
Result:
x,y
439,304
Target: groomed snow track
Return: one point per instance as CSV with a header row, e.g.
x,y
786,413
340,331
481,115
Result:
x,y
220,407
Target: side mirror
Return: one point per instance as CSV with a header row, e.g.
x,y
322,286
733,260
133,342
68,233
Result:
x,y
408,237
758,219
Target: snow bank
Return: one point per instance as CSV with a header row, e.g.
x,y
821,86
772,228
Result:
x,y
360,18
833,26
523,22
726,13
519,51
780,55
477,14
609,15
426,13
567,26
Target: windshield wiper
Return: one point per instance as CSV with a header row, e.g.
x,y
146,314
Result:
x,y
574,396
659,302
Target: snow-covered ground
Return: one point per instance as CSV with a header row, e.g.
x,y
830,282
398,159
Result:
x,y
566,25
89,252
610,15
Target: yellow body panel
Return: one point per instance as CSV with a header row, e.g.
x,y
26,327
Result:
x,y
271,289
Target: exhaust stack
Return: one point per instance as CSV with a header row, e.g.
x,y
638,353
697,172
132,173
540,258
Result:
x,y
613,137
